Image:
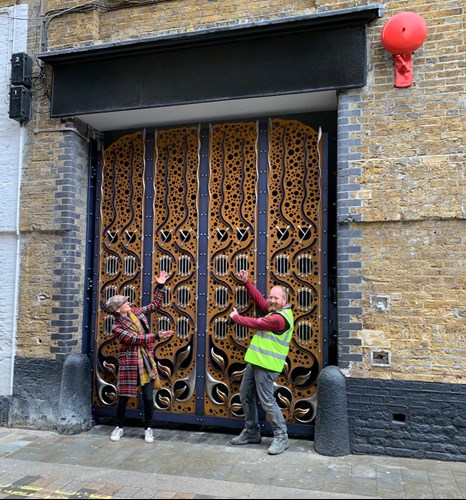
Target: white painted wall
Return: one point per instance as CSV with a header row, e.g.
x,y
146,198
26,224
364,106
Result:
x,y
13,37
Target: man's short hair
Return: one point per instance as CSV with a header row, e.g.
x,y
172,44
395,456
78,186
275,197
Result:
x,y
284,291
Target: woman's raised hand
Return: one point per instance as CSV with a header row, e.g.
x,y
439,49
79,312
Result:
x,y
162,277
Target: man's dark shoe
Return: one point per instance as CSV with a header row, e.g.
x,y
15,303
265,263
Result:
x,y
246,438
279,445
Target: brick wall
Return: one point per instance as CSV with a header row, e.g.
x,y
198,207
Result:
x,y
53,228
53,225
401,210
405,291
167,16
407,419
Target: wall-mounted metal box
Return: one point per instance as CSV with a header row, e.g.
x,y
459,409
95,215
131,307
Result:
x,y
20,103
21,69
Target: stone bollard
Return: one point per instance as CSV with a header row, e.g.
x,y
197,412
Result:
x,y
75,410
331,434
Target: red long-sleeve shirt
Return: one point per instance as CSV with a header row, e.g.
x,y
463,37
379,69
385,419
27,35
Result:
x,y
274,323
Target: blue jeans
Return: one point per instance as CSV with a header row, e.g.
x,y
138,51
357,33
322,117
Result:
x,y
259,381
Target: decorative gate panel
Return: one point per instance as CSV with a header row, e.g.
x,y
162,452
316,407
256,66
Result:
x,y
203,204
294,256
232,238
121,254
175,236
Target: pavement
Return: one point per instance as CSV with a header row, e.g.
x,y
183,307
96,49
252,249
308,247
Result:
x,y
195,463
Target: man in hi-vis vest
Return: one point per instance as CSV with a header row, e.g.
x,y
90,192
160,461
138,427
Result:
x,y
265,357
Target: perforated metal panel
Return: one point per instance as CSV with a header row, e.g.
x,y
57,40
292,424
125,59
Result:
x,y
120,251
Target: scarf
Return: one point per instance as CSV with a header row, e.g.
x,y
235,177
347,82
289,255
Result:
x,y
146,364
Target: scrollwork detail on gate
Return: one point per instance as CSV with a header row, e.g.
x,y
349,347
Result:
x,y
304,410
235,406
107,392
218,359
217,391
183,389
283,395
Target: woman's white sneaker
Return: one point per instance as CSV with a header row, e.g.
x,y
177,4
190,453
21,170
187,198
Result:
x,y
148,435
116,434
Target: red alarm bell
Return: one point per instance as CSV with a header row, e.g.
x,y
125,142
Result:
x,y
402,35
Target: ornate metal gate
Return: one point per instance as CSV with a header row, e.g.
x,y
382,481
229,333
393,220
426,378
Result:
x,y
203,204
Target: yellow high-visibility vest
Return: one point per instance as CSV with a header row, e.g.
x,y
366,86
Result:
x,y
269,350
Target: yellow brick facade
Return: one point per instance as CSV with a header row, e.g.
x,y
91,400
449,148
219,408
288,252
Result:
x,y
415,265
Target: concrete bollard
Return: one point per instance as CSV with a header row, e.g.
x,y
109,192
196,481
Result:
x,y
75,410
331,433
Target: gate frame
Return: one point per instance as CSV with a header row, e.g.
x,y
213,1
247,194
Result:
x,y
328,310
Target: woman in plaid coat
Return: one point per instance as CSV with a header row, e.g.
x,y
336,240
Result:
x,y
136,356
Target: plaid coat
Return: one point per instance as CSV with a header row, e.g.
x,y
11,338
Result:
x,y
129,342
